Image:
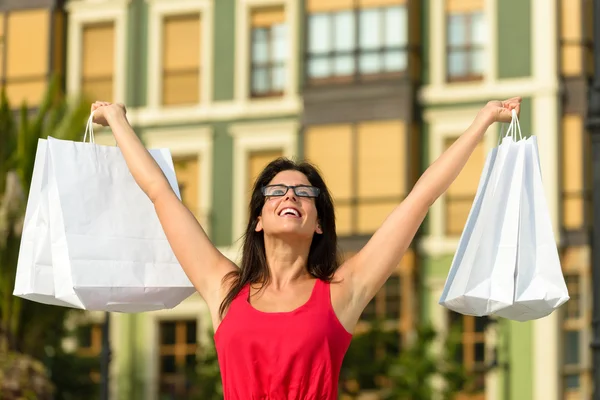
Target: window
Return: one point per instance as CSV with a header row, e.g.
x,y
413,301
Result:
x,y
25,51
466,37
576,184
177,340
181,60
471,352
89,345
350,40
366,173
576,376
269,51
187,170
98,61
460,195
576,34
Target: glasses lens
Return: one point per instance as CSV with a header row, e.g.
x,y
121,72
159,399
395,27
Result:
x,y
275,190
306,191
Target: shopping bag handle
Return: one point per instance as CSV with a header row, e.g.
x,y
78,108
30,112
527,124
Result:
x,y
513,127
90,128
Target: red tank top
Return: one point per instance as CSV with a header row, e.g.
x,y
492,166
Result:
x,y
294,355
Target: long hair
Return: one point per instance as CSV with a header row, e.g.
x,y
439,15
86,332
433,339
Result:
x,y
323,258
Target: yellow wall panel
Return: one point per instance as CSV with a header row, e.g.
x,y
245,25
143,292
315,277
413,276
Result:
x,y
181,42
573,212
379,3
571,58
330,148
98,50
570,19
572,147
31,92
188,173
381,159
257,161
464,6
181,88
343,215
27,43
267,16
371,216
315,6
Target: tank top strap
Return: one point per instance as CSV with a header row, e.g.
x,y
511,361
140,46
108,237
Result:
x,y
321,293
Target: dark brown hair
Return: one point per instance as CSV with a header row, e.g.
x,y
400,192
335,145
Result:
x,y
323,258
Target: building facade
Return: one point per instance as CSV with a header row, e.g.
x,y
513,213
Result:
x,y
372,91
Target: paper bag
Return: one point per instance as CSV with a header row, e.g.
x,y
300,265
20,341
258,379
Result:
x,y
109,251
540,286
481,277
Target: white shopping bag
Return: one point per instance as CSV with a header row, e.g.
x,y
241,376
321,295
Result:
x,y
34,277
540,286
109,251
481,277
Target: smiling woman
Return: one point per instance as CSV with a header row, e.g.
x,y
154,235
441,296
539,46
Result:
x,y
284,319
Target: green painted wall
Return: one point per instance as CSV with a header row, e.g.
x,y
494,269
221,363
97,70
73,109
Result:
x,y
514,38
224,50
137,54
221,218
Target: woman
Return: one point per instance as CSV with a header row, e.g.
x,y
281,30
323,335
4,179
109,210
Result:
x,y
284,320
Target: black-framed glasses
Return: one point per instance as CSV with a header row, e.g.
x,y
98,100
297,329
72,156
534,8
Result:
x,y
299,190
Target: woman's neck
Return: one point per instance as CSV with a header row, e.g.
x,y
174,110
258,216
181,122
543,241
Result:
x,y
287,261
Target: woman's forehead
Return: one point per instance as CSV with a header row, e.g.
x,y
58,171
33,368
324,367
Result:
x,y
290,178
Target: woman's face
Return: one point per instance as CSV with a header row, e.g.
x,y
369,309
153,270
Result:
x,y
285,212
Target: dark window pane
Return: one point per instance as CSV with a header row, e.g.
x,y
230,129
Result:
x,y
479,352
480,324
191,332
572,382
167,364
572,341
370,28
344,31
85,336
319,35
369,313
167,333
190,361
392,297
396,26
457,30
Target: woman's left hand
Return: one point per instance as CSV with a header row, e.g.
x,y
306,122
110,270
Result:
x,y
500,111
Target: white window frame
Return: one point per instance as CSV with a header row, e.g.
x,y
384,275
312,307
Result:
x,y
184,142
157,11
243,56
82,13
192,308
248,138
444,124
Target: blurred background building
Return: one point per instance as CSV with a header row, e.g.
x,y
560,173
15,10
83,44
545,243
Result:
x,y
372,91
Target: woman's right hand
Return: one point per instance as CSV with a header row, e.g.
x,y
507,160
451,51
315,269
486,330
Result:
x,y
103,111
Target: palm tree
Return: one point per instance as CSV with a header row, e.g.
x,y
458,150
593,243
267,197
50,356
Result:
x,y
28,327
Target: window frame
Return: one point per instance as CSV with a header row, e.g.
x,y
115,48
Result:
x,y
81,13
356,51
158,10
467,47
270,65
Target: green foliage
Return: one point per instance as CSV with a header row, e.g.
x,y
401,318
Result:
x,y
29,327
373,363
